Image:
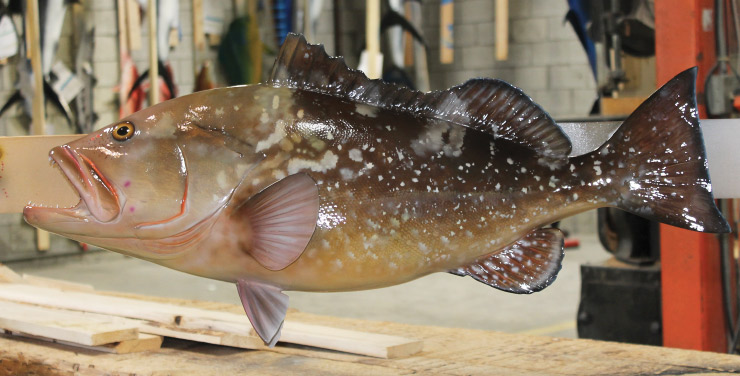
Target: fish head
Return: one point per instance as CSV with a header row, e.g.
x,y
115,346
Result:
x,y
149,184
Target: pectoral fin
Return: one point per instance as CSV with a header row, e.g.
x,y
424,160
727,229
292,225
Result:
x,y
282,218
527,266
265,306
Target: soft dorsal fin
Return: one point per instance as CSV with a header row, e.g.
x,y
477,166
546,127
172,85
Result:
x,y
527,266
488,105
282,219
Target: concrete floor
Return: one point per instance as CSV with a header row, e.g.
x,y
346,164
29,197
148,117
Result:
x,y
440,299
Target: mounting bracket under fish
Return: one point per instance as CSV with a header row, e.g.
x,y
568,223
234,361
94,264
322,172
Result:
x,y
323,180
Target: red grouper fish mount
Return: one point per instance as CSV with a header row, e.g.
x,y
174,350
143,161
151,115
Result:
x,y
321,179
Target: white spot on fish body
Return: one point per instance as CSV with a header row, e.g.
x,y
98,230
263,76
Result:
x,y
355,155
509,161
275,102
524,190
328,162
380,177
329,136
575,196
366,110
222,179
598,170
498,186
220,111
274,137
347,174
572,168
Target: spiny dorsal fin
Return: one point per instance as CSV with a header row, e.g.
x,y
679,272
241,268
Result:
x,y
527,266
487,105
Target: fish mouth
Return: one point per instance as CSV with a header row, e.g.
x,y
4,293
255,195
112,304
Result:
x,y
98,197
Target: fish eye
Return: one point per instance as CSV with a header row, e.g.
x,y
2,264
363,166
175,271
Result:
x,y
123,131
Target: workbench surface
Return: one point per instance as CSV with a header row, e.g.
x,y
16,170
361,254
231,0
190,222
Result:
x,y
446,352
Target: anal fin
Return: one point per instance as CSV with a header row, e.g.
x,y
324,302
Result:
x,y
527,266
266,306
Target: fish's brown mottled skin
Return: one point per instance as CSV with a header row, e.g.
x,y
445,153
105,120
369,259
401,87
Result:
x,y
401,196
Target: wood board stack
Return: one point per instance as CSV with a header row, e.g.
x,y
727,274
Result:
x,y
77,315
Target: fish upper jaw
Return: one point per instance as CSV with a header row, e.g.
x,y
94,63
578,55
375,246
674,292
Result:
x,y
98,197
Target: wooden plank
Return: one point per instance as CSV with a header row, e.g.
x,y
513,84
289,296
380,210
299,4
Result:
x,y
38,118
620,106
446,36
151,15
22,173
7,275
251,342
133,25
351,341
145,342
100,304
211,326
372,38
73,327
199,35
502,29
56,283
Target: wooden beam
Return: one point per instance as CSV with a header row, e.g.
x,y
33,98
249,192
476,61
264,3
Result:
x,y
502,29
199,35
153,55
208,326
350,341
38,113
56,283
7,275
73,327
145,342
26,176
372,38
133,25
446,36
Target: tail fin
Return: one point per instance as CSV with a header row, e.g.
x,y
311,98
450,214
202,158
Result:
x,y
660,163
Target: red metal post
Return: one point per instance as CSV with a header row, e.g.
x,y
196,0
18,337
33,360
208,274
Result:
x,y
690,261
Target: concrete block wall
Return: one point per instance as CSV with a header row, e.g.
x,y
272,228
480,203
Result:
x,y
545,57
